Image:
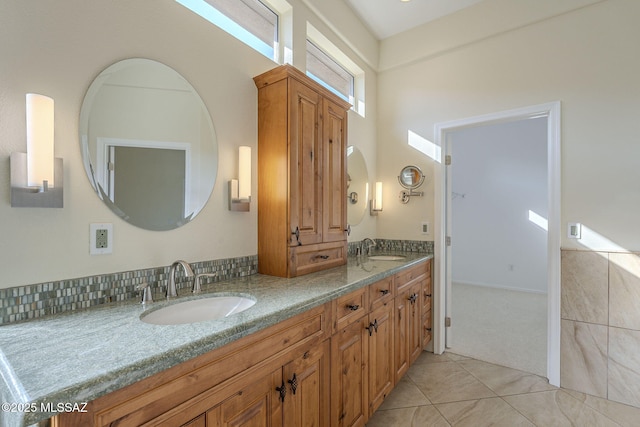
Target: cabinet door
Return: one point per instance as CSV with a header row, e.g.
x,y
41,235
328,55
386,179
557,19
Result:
x,y
256,404
401,335
334,122
381,372
307,380
408,331
305,165
427,297
426,328
349,348
415,319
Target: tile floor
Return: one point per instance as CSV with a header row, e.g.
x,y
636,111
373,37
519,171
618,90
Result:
x,y
452,390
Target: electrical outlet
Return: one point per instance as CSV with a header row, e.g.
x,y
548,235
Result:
x,y
100,239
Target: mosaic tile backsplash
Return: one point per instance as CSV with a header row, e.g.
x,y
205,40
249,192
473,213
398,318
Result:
x,y
37,300
32,301
387,245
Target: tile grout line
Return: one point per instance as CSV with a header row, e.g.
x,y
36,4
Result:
x,y
502,397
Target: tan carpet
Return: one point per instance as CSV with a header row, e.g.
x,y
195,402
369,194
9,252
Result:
x,y
500,326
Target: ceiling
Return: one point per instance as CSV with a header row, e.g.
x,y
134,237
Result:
x,y
388,17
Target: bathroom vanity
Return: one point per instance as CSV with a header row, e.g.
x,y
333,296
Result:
x,y
323,349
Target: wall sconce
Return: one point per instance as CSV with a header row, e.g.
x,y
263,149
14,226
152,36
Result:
x,y
36,177
240,189
376,203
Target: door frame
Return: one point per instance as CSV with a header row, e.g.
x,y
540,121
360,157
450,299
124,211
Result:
x,y
442,266
104,153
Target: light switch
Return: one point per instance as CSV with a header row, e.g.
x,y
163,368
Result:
x,y
424,227
574,230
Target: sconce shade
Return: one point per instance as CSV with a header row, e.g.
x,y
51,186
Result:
x,y
36,176
244,173
375,205
40,157
378,197
240,189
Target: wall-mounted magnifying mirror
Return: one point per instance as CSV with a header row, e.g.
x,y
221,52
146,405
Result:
x,y
357,186
411,177
148,144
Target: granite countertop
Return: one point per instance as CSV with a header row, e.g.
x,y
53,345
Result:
x,y
76,357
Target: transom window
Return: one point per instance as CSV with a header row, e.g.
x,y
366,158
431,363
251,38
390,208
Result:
x,y
329,73
250,21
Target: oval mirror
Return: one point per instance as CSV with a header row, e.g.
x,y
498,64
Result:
x,y
411,177
357,186
148,144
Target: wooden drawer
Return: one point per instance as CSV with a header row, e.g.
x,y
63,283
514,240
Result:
x,y
404,277
309,258
381,292
349,308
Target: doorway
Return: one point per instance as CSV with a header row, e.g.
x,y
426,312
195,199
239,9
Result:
x,y
497,183
443,274
148,181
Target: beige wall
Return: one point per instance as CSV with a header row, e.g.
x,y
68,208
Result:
x,y
586,58
57,48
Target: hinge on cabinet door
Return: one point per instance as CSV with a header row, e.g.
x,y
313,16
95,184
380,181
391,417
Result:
x,y
447,322
110,166
447,160
447,240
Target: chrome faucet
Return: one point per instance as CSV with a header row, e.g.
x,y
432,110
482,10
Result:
x,y
197,288
146,294
372,244
171,284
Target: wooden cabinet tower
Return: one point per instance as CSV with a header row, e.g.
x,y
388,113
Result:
x,y
302,203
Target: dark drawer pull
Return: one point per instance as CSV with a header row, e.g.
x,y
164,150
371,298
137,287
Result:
x,y
427,295
384,291
353,307
322,256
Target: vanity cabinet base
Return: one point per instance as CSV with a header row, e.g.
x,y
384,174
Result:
x,y
332,365
212,377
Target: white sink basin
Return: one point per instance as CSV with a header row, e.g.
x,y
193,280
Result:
x,y
386,257
198,310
